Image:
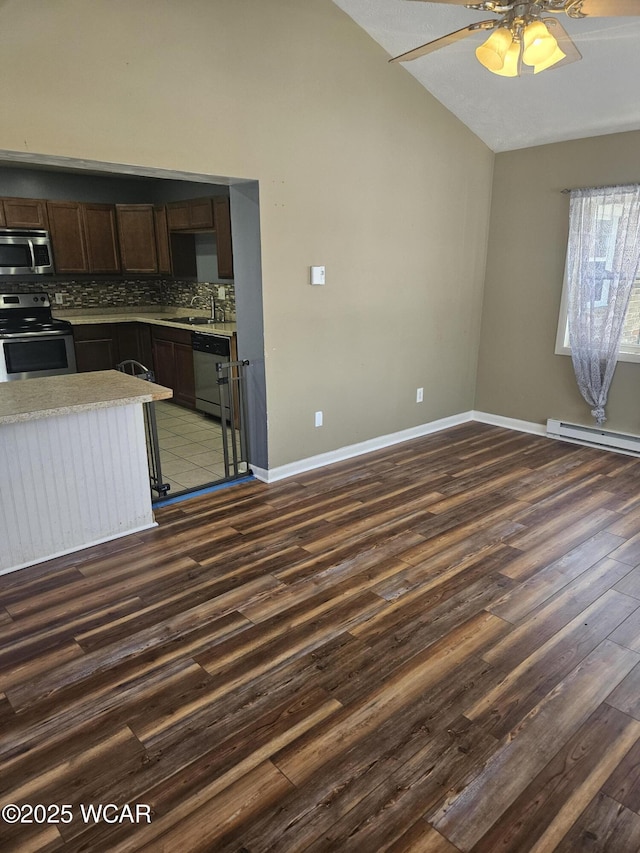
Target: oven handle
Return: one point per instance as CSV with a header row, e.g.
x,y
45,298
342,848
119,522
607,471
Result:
x,y
39,334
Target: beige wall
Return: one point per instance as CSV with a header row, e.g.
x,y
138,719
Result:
x,y
359,169
518,374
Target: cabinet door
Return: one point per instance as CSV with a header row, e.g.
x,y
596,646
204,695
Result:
x,y
100,236
95,347
3,221
67,237
195,214
145,350
185,388
173,363
137,234
163,364
200,213
178,215
133,341
162,239
223,237
25,213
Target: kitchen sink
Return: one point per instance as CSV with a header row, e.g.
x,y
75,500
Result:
x,y
191,321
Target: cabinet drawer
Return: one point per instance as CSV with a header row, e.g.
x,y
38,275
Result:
x,y
93,331
166,333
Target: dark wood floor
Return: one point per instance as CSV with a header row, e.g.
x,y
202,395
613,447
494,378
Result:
x,y
432,648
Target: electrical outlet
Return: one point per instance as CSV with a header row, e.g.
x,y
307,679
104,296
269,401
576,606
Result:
x,y
221,292
318,419
58,298
419,395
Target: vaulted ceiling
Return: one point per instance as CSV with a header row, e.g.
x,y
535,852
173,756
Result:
x,y
594,96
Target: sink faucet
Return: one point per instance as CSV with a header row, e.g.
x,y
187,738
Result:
x,y
198,298
216,310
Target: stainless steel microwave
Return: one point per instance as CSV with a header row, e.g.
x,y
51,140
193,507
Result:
x,y
25,251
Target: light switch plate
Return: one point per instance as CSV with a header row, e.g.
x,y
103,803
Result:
x,y
317,275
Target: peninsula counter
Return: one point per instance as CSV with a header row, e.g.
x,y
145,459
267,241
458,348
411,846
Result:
x,y
73,463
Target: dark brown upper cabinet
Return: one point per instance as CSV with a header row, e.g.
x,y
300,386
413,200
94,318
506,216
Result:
x,y
66,224
192,215
222,216
100,233
25,213
115,239
206,214
83,237
137,233
144,238
162,239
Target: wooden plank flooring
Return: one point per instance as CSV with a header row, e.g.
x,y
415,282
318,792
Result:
x,y
431,649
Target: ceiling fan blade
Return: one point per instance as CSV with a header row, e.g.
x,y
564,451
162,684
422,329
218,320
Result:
x,y
444,41
609,8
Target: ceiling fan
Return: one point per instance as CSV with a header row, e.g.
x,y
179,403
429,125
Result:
x,y
522,35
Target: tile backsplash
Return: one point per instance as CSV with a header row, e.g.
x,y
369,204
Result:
x,y
128,294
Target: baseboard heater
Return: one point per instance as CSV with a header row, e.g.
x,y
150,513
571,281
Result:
x,y
594,437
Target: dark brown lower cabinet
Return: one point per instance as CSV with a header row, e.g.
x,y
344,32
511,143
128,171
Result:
x,y
166,351
173,363
95,347
134,341
102,346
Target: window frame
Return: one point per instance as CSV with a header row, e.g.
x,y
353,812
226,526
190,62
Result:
x,y
562,346
626,353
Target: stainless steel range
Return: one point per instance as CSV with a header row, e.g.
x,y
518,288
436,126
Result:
x,y
32,342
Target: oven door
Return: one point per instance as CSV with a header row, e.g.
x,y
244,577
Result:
x,y
36,355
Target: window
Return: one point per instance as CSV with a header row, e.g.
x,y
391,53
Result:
x,y
600,259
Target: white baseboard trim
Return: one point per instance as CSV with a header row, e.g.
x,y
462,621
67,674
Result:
x,y
310,463
72,550
271,475
509,423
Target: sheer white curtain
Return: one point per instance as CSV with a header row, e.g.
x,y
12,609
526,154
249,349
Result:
x,y
603,260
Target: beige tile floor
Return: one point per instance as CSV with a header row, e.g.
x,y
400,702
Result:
x,y
190,447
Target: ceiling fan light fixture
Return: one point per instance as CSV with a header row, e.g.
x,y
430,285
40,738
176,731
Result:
x,y
511,61
556,56
492,53
538,43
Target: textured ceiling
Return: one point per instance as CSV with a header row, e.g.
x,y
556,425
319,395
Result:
x,y
597,95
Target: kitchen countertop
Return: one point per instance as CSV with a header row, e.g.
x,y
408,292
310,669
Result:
x,y
156,318
34,399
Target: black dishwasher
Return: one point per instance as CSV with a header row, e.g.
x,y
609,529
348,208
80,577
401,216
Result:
x,y
208,350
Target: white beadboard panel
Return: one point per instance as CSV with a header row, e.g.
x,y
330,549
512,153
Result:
x,y
70,481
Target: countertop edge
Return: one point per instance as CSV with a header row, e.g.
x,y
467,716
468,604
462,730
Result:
x,y
25,397
220,329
